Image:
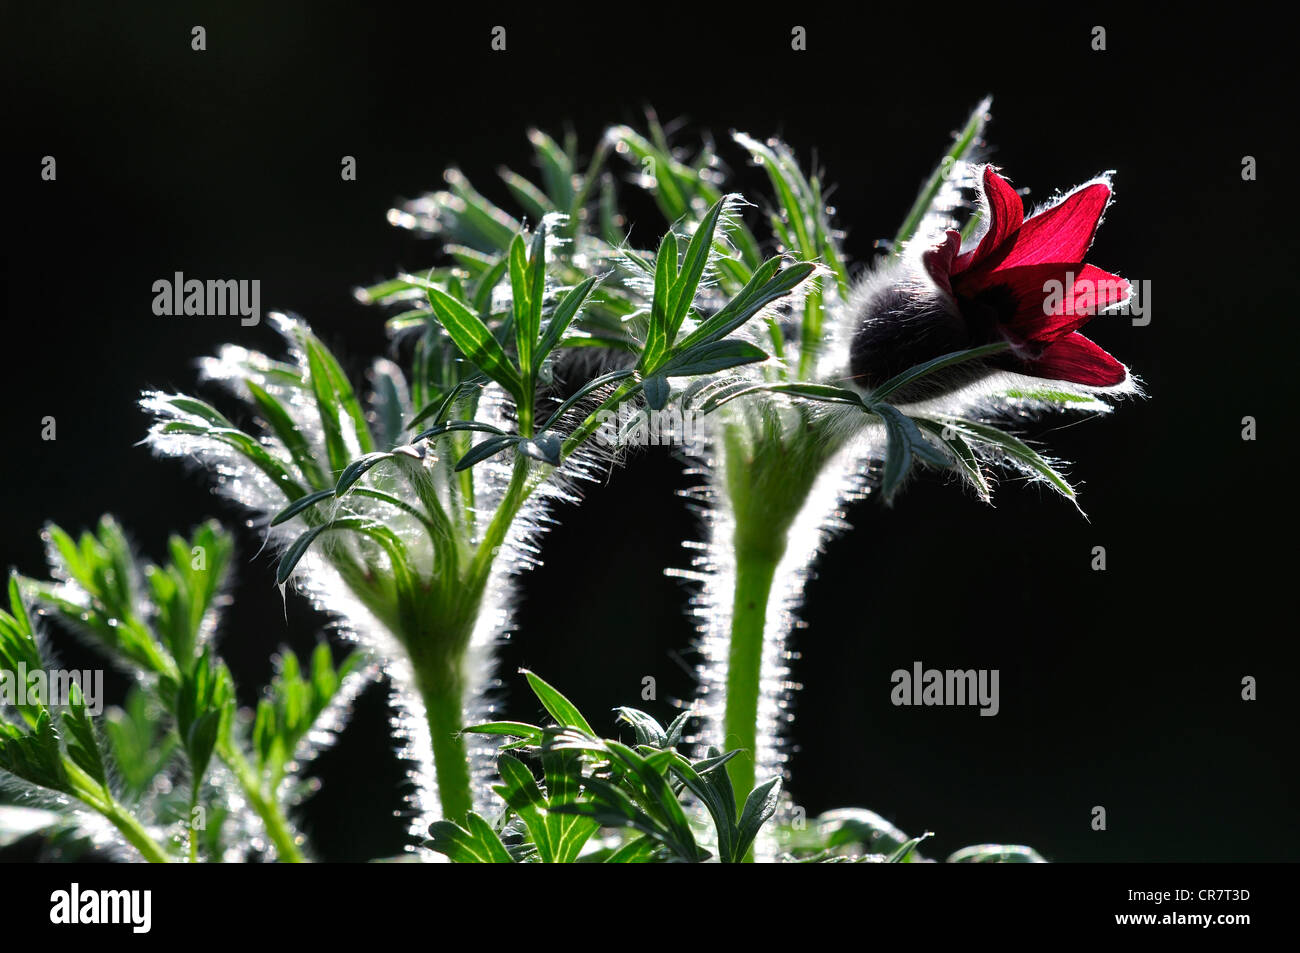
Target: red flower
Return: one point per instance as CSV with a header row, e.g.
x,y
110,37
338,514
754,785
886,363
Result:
x,y
1026,283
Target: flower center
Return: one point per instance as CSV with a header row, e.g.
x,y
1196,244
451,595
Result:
x,y
987,311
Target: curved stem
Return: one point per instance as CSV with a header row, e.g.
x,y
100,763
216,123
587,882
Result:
x,y
277,825
516,493
135,833
100,798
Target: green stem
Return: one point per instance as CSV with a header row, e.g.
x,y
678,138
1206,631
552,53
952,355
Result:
x,y
135,833
277,826
768,472
755,570
99,797
438,658
193,831
442,687
516,493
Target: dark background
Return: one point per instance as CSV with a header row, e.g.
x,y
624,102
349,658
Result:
x,y
1118,688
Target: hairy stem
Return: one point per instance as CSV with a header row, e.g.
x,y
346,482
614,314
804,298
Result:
x,y
277,826
193,831
100,798
442,688
135,833
755,570
767,471
438,656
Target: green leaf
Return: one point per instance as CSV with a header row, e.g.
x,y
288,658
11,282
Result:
x,y
34,755
665,275
711,357
536,292
658,798
140,744
963,457
924,370
996,854
484,449
1013,447
759,808
105,569
561,318
300,504
199,408
478,221
458,426
558,837
666,188
823,393
388,382
513,729
475,341
288,433
358,468
482,299
715,793
582,392
566,833
441,408
673,736
556,166
656,391
292,704
18,648
767,285
966,140
480,844
545,447
251,449
610,220
297,549
560,708
636,851
521,293
184,590
380,534
82,742
202,741
715,760
693,264
521,793
901,855
204,700
529,196
792,190
334,397
648,730
905,443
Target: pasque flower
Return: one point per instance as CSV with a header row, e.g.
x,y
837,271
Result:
x,y
1025,284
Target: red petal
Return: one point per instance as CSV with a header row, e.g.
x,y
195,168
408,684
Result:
x,y
1056,299
938,260
1062,233
1003,210
1076,359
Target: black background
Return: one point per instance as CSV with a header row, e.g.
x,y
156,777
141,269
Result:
x,y
1119,688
